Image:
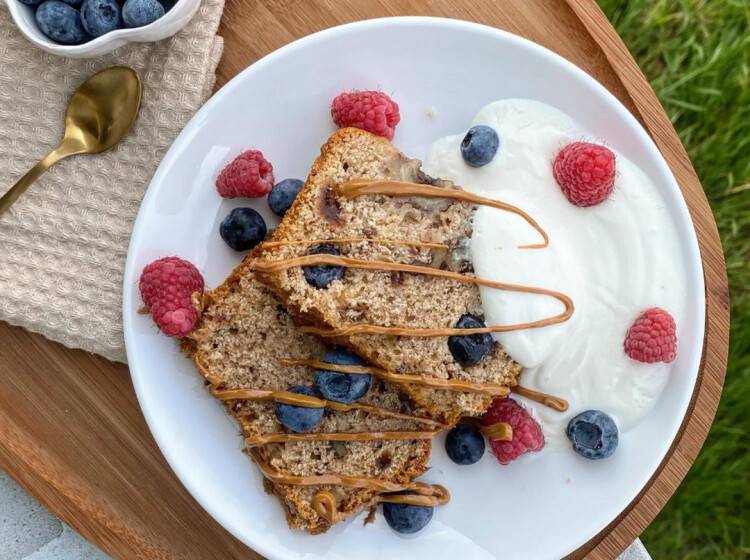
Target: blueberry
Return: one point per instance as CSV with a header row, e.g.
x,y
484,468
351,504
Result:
x,y
100,16
593,434
167,4
464,444
30,2
243,229
479,145
471,348
283,194
74,3
342,387
299,418
406,518
61,22
137,13
321,275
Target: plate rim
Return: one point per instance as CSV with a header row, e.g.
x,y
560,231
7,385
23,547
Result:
x,y
692,244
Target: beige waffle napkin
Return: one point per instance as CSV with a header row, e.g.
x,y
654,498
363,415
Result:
x,y
63,244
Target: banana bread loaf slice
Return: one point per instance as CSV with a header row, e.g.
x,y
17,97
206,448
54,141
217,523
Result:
x,y
415,230
242,334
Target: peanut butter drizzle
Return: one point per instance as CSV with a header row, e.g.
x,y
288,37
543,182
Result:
x,y
492,389
375,484
263,439
555,403
343,240
363,187
198,303
423,495
500,431
208,376
356,188
365,328
325,505
296,399
324,502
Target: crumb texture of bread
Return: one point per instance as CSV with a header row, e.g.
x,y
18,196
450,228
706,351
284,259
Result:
x,y
243,332
387,298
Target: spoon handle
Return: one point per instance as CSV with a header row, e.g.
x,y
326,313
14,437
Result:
x,y
32,175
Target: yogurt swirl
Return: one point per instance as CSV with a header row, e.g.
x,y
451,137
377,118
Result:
x,y
615,260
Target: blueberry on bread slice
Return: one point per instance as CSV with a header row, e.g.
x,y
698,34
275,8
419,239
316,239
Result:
x,y
302,264
315,438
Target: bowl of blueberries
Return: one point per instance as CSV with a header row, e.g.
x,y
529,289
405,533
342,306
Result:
x,y
89,28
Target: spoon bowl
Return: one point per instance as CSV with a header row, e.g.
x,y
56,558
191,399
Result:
x,y
100,113
103,109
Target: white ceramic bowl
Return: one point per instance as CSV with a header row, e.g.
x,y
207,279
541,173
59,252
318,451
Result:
x,y
441,71
166,26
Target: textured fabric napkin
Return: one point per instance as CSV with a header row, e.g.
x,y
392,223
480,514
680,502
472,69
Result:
x,y
64,242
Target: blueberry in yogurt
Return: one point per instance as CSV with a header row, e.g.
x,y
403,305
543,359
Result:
x,y
480,145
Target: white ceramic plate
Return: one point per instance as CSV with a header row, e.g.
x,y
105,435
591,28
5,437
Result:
x,y
543,506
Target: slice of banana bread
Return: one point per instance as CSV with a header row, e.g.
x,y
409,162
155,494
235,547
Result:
x,y
242,333
331,297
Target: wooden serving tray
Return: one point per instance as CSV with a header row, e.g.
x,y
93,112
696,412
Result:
x,y
71,431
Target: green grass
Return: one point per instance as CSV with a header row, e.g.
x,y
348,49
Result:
x,y
696,54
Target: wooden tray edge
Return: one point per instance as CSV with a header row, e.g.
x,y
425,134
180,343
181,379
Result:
x,y
618,535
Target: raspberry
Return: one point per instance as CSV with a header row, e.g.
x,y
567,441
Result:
x,y
372,111
527,434
585,172
166,287
174,322
249,175
652,337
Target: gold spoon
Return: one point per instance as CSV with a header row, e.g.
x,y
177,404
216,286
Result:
x,y
99,114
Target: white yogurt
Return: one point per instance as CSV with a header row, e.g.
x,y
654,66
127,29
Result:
x,y
615,260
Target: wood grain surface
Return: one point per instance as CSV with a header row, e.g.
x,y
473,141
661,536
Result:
x,y
72,434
